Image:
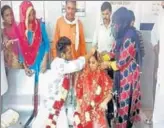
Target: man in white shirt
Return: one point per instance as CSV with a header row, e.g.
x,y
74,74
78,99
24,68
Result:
x,y
157,34
53,110
103,38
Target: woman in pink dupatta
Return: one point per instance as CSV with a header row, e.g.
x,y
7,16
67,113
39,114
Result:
x,y
17,79
10,39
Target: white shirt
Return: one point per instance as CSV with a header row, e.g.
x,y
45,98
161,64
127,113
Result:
x,y
52,83
103,38
55,76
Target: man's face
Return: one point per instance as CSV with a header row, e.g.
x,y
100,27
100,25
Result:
x,y
106,15
68,53
70,10
8,16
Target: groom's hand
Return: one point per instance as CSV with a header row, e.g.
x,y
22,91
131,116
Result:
x,y
91,53
93,50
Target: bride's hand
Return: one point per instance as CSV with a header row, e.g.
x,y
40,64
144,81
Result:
x,y
93,50
103,106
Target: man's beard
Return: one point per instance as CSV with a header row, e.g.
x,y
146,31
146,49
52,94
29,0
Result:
x,y
163,7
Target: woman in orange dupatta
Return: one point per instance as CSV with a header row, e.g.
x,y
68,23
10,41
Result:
x,y
93,92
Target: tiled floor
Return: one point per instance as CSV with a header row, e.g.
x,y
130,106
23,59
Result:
x,y
144,115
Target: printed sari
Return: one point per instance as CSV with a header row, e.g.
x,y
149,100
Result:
x,y
92,88
127,71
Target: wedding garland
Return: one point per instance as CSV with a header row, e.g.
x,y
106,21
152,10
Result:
x,y
53,116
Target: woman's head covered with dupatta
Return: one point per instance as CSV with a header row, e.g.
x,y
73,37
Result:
x,y
27,14
132,17
94,61
28,22
121,21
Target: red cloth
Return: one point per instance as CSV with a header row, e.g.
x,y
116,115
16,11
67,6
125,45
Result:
x,y
59,104
29,52
66,84
86,89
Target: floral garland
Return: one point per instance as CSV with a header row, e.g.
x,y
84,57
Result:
x,y
77,122
52,118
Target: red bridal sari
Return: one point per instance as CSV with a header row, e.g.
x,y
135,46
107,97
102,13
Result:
x,y
92,88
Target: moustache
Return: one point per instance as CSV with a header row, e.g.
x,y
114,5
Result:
x,y
104,19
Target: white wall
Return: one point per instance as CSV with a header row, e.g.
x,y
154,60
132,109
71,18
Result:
x,y
51,10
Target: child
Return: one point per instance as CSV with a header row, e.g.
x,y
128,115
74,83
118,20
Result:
x,y
59,84
93,91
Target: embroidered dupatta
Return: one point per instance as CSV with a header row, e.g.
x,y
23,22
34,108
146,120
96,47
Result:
x,y
92,89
